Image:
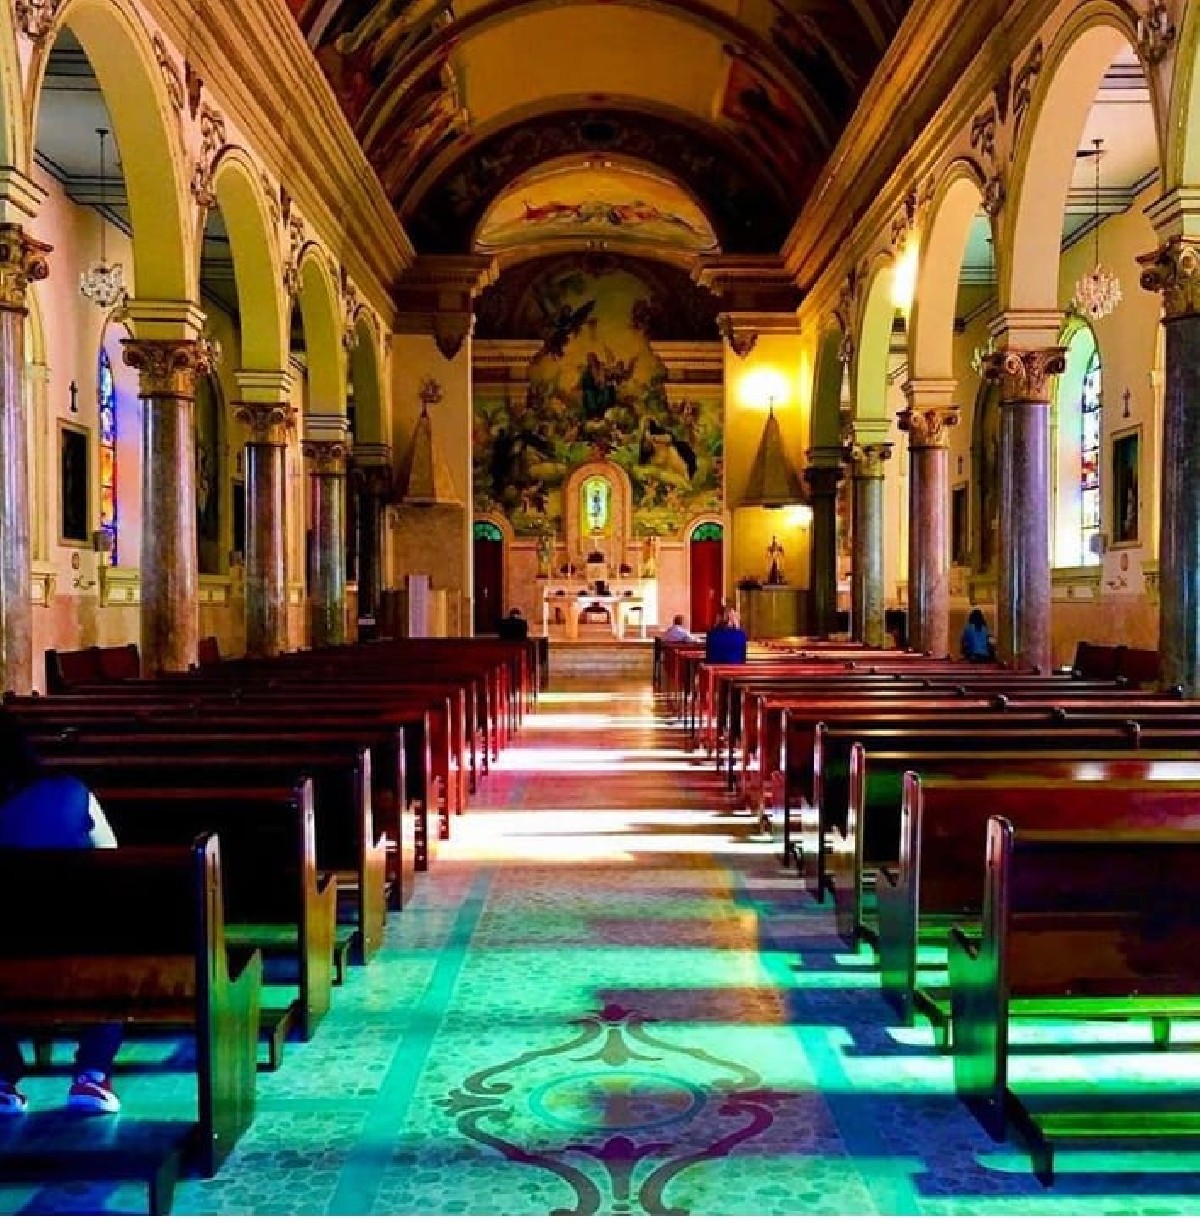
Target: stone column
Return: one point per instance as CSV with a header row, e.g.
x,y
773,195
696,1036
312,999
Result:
x,y
170,608
327,598
867,579
1023,570
1174,271
373,470
822,489
926,421
22,259
266,552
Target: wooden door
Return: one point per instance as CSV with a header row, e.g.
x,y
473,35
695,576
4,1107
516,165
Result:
x,y
707,575
489,577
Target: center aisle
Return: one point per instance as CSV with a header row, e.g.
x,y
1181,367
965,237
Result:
x,y
609,998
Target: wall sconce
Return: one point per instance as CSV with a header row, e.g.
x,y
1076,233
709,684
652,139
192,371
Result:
x,y
764,387
904,277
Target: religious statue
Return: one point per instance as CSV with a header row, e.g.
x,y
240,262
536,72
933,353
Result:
x,y
775,555
650,557
545,555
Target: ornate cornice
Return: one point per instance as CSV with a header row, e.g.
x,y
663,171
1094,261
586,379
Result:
x,y
437,295
269,423
1024,373
212,141
22,259
326,458
927,427
1174,271
167,369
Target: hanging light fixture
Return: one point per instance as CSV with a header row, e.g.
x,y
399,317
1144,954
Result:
x,y
103,284
981,352
1098,292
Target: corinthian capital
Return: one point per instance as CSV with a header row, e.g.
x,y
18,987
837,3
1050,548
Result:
x,y
1174,271
927,427
22,259
269,422
326,458
1024,373
869,460
167,368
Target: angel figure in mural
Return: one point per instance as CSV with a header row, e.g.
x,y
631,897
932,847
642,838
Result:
x,y
561,326
661,450
516,456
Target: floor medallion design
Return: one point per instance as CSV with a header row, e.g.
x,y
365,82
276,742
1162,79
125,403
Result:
x,y
617,1113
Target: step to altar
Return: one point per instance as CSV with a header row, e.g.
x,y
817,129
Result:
x,y
601,656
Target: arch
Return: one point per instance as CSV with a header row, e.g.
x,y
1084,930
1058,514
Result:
x,y
827,390
1044,161
147,134
621,515
1183,134
15,143
321,314
874,342
364,377
254,244
956,203
704,529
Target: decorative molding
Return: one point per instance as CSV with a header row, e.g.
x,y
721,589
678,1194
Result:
x,y
1024,85
172,77
212,141
983,134
1174,271
35,18
291,262
739,337
1156,33
120,585
269,423
272,198
994,194
436,297
22,259
194,86
351,305
168,368
1024,374
1002,92
914,206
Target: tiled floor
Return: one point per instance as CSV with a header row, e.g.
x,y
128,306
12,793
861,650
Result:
x,y
609,998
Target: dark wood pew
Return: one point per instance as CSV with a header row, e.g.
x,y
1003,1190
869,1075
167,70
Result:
x,y
68,669
347,844
1087,924
275,898
137,936
939,879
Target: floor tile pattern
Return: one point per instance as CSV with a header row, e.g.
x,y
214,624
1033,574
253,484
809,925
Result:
x,y
609,998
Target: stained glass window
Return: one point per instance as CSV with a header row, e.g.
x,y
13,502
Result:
x,y
489,531
596,506
106,407
1089,457
708,531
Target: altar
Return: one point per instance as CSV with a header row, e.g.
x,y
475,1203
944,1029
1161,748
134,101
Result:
x,y
621,605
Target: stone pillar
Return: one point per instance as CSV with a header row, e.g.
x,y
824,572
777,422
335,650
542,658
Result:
x,y
266,552
1174,271
373,471
327,597
822,488
1023,637
22,259
928,416
867,579
170,609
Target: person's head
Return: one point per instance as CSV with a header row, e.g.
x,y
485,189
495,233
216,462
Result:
x,y
19,763
678,619
732,619
975,619
514,613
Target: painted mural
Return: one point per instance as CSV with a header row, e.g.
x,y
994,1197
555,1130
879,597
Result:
x,y
596,390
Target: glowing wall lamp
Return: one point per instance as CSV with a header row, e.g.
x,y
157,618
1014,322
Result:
x,y
764,386
904,276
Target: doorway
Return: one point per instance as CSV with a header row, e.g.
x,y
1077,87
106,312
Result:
x,y
488,587
707,574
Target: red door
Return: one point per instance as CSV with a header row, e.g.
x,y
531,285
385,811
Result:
x,y
708,576
489,580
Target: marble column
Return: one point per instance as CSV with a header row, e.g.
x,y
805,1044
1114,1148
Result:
x,y
22,259
822,486
170,614
928,515
867,578
1174,271
327,598
1022,629
266,552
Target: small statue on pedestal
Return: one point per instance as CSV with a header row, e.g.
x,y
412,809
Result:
x,y
775,555
545,555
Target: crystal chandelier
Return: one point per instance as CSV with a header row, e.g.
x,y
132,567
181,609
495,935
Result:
x,y
1098,292
103,284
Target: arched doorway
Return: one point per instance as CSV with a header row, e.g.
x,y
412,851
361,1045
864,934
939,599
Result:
x,y
706,569
489,576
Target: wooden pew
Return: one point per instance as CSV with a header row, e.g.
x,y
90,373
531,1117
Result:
x,y
939,879
275,899
1088,924
136,936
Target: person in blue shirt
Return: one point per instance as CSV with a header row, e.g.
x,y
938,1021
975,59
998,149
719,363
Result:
x,y
42,810
976,643
726,640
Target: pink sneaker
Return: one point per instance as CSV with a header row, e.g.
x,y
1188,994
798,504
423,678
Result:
x,y
92,1092
12,1102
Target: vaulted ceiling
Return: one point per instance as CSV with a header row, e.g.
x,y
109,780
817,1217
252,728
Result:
x,y
691,124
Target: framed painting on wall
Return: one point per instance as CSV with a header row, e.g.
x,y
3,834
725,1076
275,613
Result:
x,y
1126,456
74,491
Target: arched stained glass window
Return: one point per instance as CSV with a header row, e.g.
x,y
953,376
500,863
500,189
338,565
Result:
x,y
1089,455
708,531
489,531
595,506
106,408
1078,432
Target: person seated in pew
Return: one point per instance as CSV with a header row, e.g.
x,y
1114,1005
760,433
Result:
x,y
42,810
513,627
976,643
726,640
677,630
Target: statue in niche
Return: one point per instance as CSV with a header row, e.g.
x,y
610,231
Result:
x,y
775,555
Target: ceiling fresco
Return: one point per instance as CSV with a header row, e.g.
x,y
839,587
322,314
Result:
x,y
436,90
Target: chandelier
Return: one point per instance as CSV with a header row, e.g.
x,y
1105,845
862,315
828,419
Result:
x,y
103,284
1098,292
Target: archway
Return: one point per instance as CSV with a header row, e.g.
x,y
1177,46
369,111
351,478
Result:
x,y
706,573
